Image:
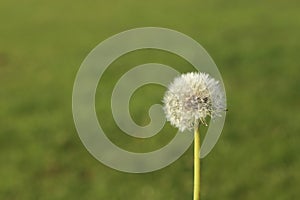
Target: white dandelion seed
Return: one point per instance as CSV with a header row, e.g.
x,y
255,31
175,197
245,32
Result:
x,y
192,97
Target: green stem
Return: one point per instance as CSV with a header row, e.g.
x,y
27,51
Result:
x,y
196,164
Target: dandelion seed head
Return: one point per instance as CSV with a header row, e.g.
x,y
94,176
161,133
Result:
x,y
192,97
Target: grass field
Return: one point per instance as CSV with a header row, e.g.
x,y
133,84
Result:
x,y
255,45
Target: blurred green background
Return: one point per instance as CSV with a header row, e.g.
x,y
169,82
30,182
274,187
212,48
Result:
x,y
255,45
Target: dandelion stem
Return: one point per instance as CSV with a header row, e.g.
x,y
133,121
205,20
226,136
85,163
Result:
x,y
196,163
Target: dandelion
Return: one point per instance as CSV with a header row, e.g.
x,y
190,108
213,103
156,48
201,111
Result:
x,y
190,99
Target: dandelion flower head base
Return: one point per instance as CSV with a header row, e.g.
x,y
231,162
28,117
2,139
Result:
x,y
192,97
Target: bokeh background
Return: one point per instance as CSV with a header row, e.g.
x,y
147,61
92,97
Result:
x,y
255,45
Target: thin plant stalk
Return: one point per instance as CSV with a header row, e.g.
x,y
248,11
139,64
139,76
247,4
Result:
x,y
196,163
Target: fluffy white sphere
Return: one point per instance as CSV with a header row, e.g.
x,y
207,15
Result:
x,y
192,97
